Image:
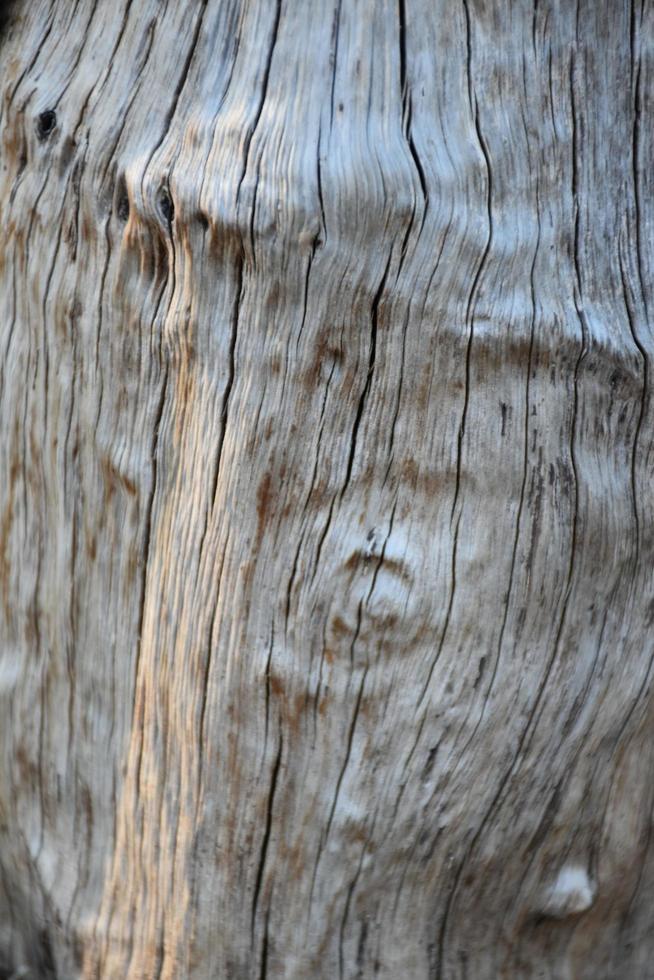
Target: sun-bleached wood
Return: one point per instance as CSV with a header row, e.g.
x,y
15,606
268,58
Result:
x,y
326,490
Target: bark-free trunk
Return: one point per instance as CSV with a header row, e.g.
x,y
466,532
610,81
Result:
x,y
326,517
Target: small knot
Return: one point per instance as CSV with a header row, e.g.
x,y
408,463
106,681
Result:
x,y
122,208
122,200
46,123
165,205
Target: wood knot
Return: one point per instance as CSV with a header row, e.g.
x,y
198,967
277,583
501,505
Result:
x,y
122,200
165,205
46,123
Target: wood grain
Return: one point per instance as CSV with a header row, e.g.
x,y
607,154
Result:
x,y
326,459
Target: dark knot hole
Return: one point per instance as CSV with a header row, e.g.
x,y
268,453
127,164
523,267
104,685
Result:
x,y
46,123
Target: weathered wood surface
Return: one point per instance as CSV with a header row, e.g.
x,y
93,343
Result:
x,y
326,489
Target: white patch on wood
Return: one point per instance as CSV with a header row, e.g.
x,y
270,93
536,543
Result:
x,y
572,893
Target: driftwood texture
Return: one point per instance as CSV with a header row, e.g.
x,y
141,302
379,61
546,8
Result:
x,y
326,530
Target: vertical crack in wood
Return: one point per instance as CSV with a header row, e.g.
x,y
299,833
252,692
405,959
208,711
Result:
x,y
266,835
372,354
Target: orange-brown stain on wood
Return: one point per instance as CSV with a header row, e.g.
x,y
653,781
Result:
x,y
300,704
356,559
361,560
28,770
264,504
132,567
5,531
88,233
355,833
129,485
276,684
275,364
15,145
292,707
247,573
87,804
325,355
367,707
319,496
422,395
339,626
272,299
113,479
296,862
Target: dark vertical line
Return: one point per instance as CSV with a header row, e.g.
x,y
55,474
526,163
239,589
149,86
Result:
x,y
635,70
267,831
371,367
407,108
224,411
263,974
264,90
335,35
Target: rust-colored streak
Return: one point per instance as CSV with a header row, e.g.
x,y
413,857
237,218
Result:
x,y
264,505
276,685
5,531
339,626
114,480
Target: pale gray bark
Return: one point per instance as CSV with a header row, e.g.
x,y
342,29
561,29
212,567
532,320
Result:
x,y
325,489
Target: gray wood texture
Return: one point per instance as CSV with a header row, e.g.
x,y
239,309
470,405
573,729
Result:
x,y
326,458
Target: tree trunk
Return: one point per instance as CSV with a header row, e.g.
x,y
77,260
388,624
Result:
x,y
326,520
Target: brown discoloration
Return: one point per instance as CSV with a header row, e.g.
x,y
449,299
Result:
x,y
129,485
410,471
114,480
339,626
132,569
361,561
87,230
300,707
87,805
293,707
422,394
5,530
319,496
247,571
428,482
29,771
326,355
276,684
356,559
296,861
355,833
272,298
323,705
264,504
